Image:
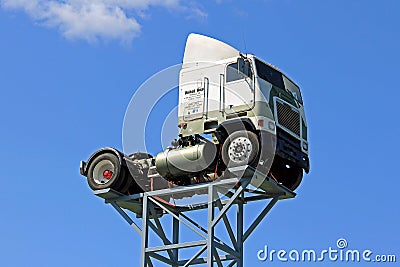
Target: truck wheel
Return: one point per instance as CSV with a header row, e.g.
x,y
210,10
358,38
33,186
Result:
x,y
287,173
105,172
240,148
297,181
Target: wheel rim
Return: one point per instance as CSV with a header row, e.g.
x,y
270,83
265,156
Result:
x,y
240,149
103,172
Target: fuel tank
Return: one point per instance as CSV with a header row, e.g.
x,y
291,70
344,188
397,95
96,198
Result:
x,y
177,162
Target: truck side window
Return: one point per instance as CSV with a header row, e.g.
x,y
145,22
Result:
x,y
238,70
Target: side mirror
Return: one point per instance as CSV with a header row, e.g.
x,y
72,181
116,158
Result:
x,y
244,68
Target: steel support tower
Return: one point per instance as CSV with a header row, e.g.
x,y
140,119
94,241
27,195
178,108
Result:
x,y
208,248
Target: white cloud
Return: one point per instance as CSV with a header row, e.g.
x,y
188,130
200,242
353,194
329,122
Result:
x,y
92,20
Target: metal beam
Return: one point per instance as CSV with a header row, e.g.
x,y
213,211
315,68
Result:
x,y
259,218
230,202
227,249
239,232
262,197
160,258
175,239
125,198
160,232
177,246
200,227
145,236
227,225
176,217
217,258
192,259
127,218
210,230
149,262
204,260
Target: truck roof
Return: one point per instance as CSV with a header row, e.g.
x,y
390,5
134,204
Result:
x,y
200,48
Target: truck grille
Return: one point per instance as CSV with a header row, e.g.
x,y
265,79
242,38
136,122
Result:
x,y
288,117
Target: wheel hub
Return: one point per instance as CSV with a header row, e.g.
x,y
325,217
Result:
x,y
103,172
240,149
107,174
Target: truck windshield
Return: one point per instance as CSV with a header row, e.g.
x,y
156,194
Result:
x,y
269,74
293,89
276,78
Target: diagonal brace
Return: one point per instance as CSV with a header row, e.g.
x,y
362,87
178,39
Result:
x,y
259,218
230,202
126,217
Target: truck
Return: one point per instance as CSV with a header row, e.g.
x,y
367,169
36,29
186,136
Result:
x,y
234,110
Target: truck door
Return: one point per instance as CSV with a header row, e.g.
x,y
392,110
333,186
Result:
x,y
239,87
199,95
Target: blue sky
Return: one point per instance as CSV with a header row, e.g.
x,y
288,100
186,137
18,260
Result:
x,y
68,71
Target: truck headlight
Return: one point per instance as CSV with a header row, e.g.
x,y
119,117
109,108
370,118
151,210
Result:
x,y
271,126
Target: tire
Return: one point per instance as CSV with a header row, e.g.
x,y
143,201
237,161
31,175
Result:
x,y
287,173
98,178
127,182
240,148
298,180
